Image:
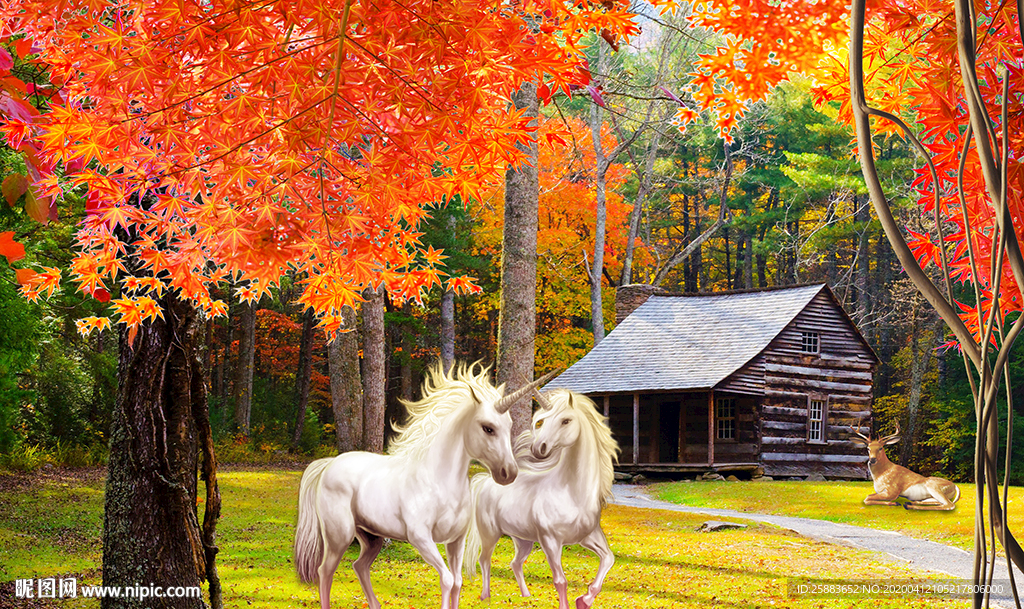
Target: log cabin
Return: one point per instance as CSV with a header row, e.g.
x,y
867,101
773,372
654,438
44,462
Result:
x,y
774,378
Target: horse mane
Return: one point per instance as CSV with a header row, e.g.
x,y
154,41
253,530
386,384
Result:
x,y
607,447
444,392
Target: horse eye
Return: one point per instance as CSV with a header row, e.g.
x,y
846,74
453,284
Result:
x,y
488,430
539,423
565,422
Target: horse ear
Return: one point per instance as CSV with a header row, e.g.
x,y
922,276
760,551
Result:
x,y
473,394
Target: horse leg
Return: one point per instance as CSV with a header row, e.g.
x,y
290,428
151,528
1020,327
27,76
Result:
x,y
486,551
423,543
455,549
489,536
369,548
338,531
598,544
523,549
553,551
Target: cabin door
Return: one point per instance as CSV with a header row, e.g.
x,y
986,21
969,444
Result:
x,y
668,436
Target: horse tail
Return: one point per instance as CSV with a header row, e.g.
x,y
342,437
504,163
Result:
x,y
309,543
957,498
474,546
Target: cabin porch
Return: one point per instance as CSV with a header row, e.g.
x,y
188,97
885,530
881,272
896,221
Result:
x,y
683,432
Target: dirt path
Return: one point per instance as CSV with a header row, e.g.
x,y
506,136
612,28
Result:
x,y
926,555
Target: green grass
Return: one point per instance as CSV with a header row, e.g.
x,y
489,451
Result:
x,y
840,502
660,560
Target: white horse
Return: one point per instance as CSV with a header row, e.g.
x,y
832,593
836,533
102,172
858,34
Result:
x,y
557,498
418,493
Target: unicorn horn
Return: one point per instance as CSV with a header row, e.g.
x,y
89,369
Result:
x,y
544,402
506,402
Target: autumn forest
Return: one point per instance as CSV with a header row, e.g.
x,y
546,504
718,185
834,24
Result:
x,y
241,232
780,203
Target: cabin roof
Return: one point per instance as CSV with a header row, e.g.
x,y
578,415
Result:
x,y
688,342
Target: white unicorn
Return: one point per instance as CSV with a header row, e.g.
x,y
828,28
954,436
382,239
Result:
x,y
557,498
418,493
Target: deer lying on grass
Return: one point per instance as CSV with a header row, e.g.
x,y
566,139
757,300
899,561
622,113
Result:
x,y
894,481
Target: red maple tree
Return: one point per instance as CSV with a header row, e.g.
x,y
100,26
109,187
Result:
x,y
247,140
947,75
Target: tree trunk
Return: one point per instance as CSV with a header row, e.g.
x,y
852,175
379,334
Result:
x,y
230,364
923,338
448,329
517,315
405,363
246,362
303,375
208,474
600,184
748,261
374,371
151,532
346,386
728,265
863,268
603,162
448,318
646,182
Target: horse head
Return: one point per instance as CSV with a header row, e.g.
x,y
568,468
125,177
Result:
x,y
556,424
488,433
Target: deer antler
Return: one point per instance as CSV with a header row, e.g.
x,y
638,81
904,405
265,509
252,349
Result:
x,y
891,436
860,435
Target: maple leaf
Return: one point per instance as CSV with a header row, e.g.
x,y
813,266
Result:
x,y
247,293
87,325
25,277
431,255
463,285
13,187
10,248
684,116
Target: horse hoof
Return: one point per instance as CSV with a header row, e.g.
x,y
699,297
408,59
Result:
x,y
485,597
582,604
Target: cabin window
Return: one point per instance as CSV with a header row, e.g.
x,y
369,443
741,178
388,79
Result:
x,y
809,342
816,417
725,418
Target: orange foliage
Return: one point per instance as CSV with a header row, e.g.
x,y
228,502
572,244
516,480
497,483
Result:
x,y
565,237
764,42
227,138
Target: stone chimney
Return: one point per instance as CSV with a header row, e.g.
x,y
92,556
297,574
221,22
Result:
x,y
629,297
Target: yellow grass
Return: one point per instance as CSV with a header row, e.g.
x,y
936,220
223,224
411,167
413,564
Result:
x,y
841,502
661,560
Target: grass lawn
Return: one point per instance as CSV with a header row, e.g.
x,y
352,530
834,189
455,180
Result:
x,y
840,502
50,526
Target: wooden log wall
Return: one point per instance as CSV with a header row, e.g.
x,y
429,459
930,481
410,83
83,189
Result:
x,y
620,419
695,414
840,373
